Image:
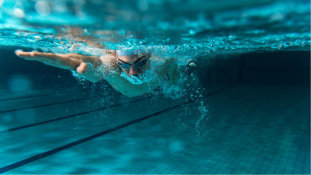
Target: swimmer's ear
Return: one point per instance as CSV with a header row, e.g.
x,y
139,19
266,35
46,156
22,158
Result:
x,y
82,68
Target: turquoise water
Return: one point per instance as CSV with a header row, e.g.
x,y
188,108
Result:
x,y
243,106
174,27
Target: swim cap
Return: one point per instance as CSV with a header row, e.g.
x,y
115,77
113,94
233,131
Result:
x,y
119,52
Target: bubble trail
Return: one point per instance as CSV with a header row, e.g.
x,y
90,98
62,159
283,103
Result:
x,y
204,112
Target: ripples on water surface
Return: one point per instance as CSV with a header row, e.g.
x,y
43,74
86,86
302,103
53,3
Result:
x,y
173,27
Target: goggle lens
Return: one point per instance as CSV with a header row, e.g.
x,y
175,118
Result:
x,y
124,65
140,64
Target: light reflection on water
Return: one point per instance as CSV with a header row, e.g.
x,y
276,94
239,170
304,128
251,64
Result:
x,y
75,26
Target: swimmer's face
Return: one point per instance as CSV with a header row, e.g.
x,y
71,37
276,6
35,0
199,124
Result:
x,y
131,60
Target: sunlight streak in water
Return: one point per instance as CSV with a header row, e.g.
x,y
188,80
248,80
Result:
x,y
271,26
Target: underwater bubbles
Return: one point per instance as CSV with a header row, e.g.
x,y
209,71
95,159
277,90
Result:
x,y
19,83
19,13
18,10
1,2
42,8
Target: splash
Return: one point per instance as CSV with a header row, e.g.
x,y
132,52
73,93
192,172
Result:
x,y
51,26
173,91
140,79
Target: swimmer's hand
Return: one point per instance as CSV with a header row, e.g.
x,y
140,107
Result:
x,y
64,61
71,61
170,69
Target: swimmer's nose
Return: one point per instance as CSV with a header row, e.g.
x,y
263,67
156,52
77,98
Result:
x,y
133,71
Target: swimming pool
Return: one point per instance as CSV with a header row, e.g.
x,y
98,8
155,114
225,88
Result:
x,y
243,107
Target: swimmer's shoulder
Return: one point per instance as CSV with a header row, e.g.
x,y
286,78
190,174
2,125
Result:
x,y
109,58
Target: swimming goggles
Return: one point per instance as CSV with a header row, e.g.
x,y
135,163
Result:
x,y
138,64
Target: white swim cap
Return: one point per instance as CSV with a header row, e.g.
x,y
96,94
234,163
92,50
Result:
x,y
119,52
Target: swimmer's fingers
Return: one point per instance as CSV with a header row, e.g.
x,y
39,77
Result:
x,y
82,68
35,55
42,57
24,55
64,61
67,63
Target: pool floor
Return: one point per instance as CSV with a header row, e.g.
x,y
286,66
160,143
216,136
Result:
x,y
248,129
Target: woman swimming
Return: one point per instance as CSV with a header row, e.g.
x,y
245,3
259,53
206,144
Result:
x,y
124,71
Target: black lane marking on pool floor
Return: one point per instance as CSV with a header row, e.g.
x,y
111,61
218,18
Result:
x,y
42,88
78,142
40,95
69,116
12,110
38,89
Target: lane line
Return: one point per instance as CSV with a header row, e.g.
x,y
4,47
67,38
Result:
x,y
40,95
78,142
38,106
69,116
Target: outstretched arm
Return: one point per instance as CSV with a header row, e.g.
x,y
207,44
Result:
x,y
75,62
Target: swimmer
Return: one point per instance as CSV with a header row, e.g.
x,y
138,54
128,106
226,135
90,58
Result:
x,y
111,67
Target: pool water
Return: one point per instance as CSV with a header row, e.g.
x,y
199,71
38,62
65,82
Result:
x,y
171,27
243,106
